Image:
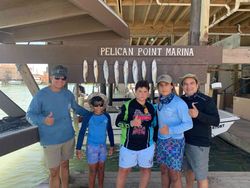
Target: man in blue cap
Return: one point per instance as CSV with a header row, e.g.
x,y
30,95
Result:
x,y
50,111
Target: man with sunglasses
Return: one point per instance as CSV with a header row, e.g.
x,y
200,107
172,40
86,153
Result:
x,y
50,111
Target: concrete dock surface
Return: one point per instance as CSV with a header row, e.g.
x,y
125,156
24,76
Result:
x,y
216,180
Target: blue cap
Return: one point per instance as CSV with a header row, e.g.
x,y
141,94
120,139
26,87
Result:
x,y
59,70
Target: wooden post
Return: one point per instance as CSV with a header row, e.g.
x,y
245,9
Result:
x,y
194,35
110,92
103,88
28,78
204,22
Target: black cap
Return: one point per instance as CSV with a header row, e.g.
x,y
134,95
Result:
x,y
59,70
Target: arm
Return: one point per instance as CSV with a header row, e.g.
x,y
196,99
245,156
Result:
x,y
78,109
110,131
81,135
211,116
34,114
119,122
186,121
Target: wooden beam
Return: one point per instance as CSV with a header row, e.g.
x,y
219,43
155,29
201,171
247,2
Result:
x,y
146,41
10,107
138,41
158,15
162,40
147,12
36,12
154,41
182,41
182,14
229,42
236,56
170,15
133,13
204,22
101,12
28,78
159,30
60,28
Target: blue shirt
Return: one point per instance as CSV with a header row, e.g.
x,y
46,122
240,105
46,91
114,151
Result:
x,y
98,127
175,115
59,103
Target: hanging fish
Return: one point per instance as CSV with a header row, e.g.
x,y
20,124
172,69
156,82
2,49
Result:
x,y
125,73
143,70
116,72
106,71
85,71
96,71
135,71
154,72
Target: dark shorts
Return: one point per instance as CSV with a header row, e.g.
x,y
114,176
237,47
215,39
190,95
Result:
x,y
170,152
196,159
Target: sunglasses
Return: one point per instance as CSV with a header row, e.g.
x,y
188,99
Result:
x,y
60,78
100,105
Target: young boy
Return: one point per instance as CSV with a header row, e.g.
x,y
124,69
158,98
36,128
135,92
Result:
x,y
98,123
137,147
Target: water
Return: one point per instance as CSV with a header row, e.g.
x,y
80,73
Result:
x,y
25,168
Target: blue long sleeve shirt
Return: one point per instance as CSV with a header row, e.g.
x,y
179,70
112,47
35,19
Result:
x,y
98,126
175,115
59,103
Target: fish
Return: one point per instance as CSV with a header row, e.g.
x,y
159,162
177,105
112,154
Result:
x,y
106,71
125,73
85,70
135,71
96,70
154,72
116,73
143,70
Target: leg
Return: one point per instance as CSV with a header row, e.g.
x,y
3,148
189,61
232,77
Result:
x,y
189,179
145,177
64,173
175,178
54,178
165,181
203,183
101,166
121,177
92,174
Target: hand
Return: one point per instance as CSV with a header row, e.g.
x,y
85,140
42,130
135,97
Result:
x,y
136,122
79,154
111,151
49,120
193,112
164,129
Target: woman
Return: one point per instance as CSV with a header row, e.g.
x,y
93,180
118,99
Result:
x,y
173,120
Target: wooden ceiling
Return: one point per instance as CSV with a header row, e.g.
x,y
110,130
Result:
x,y
53,20
151,23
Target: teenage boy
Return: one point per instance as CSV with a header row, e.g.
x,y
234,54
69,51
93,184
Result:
x,y
137,146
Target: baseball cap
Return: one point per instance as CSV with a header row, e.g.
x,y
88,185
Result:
x,y
164,78
189,75
59,70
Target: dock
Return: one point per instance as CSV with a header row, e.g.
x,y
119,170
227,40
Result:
x,y
216,180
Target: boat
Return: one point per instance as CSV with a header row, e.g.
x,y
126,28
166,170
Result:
x,y
227,119
15,82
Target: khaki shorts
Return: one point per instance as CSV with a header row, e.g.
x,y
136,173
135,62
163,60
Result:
x,y
55,154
